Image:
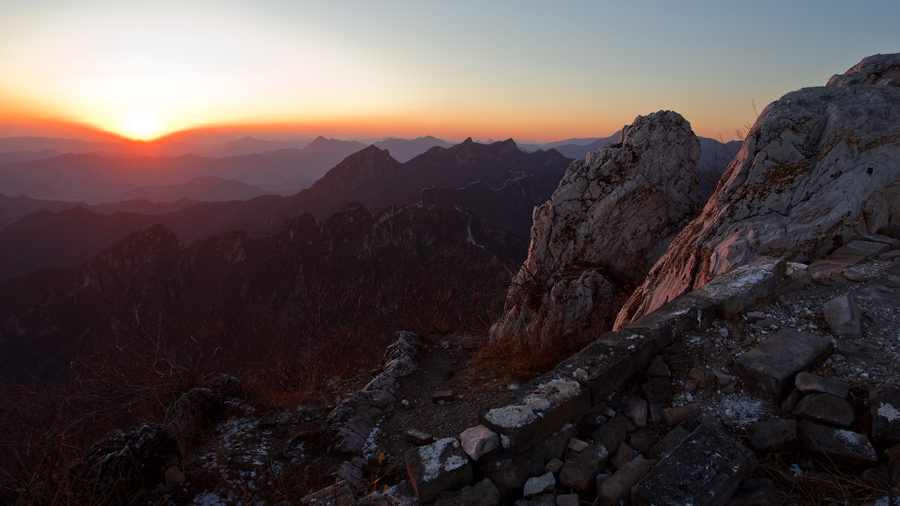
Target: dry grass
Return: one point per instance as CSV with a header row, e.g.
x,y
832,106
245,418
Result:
x,y
514,359
833,484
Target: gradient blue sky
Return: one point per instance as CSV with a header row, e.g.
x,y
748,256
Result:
x,y
530,70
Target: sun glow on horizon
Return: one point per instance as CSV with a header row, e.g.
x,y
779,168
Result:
x,y
142,126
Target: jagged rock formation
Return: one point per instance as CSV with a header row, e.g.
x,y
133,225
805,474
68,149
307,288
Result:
x,y
352,420
610,218
818,166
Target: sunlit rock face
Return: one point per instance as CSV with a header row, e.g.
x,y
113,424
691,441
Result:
x,y
819,165
611,217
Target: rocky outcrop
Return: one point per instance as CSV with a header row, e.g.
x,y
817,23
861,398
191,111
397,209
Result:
x,y
353,420
610,218
818,167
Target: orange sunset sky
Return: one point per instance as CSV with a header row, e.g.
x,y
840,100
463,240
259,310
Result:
x,y
531,70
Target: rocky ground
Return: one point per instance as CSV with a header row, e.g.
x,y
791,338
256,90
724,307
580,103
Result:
x,y
256,457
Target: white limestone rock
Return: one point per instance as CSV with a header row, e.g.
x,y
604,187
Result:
x,y
611,217
818,167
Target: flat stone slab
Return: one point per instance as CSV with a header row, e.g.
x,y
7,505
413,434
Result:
x,y
883,239
778,359
838,445
705,469
885,405
735,291
438,467
771,435
685,313
581,468
536,410
607,363
826,408
808,383
831,268
865,249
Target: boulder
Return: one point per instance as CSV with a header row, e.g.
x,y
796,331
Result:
x,y
610,218
778,359
771,435
816,169
581,468
885,405
826,408
838,445
476,441
438,467
704,470
843,316
808,383
539,484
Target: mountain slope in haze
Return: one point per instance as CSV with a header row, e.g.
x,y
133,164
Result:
x,y
96,178
373,178
204,189
14,208
370,176
396,260
404,150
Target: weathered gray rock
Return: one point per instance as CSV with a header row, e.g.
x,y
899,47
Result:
x,y
624,454
686,313
478,440
607,363
838,445
613,212
756,492
668,443
193,413
437,467
771,435
614,432
778,359
617,487
825,408
808,383
885,405
582,467
705,469
637,410
879,69
539,485
739,289
843,316
816,168
554,465
536,410
417,437
483,493
509,471
353,419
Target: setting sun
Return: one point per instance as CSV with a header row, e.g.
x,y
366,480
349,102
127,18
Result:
x,y
142,126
